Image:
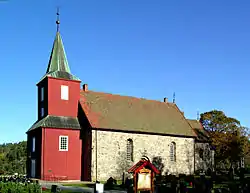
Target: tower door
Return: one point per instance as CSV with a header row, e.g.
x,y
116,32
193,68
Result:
x,y
33,168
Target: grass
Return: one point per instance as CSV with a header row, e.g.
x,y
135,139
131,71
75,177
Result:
x,y
79,185
119,182
91,185
61,191
49,191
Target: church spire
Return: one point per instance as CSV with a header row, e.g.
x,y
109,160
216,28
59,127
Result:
x,y
58,60
58,66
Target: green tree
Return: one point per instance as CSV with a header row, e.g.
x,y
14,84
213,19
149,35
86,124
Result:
x,y
228,137
13,158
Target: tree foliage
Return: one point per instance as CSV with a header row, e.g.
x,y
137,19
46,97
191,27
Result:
x,y
228,137
13,158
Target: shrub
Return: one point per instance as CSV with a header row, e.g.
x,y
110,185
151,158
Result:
x,y
11,187
110,184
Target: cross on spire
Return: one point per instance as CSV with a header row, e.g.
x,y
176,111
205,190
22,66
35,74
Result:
x,y
58,19
198,115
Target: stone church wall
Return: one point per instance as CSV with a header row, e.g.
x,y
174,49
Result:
x,y
112,153
203,157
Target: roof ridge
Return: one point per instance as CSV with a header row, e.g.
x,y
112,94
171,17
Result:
x,y
125,96
193,120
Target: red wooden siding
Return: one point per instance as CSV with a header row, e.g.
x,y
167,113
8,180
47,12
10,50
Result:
x,y
59,107
61,164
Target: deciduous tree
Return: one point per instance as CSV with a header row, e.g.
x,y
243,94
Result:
x,y
13,158
228,137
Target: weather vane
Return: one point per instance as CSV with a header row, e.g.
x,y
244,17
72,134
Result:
x,y
58,19
174,97
198,115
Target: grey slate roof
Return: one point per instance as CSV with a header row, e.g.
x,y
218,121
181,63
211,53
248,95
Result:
x,y
57,122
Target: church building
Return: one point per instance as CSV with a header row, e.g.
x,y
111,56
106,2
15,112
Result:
x,y
87,135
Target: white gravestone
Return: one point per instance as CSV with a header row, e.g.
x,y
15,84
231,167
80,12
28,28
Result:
x,y
99,188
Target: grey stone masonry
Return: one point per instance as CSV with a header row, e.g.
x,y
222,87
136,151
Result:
x,y
112,153
203,157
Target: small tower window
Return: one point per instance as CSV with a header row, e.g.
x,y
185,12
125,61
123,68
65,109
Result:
x,y
42,94
63,143
42,112
130,150
173,152
33,144
64,92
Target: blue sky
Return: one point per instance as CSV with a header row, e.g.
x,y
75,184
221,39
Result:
x,y
198,49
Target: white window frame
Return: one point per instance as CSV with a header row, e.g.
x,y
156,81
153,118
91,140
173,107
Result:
x,y
33,144
42,94
42,111
60,143
130,149
64,92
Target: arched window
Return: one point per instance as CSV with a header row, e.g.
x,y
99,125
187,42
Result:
x,y
130,150
172,152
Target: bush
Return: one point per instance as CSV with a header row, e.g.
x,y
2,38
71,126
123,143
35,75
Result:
x,y
1,172
11,187
110,184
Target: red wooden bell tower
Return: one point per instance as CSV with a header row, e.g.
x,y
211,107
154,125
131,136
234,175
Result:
x,y
54,144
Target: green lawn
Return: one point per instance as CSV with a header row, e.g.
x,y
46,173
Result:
x,y
79,185
49,191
